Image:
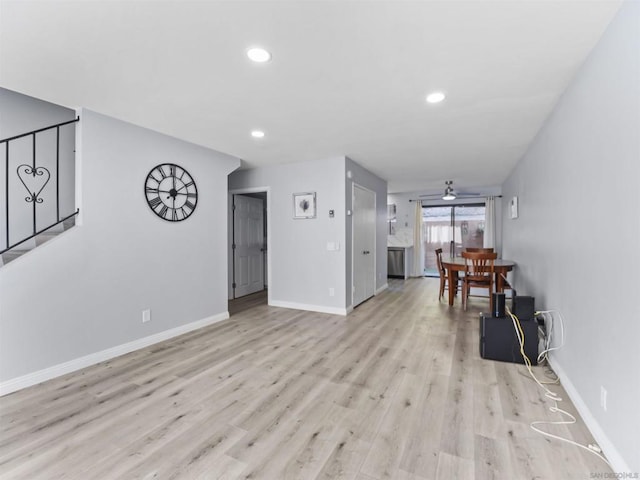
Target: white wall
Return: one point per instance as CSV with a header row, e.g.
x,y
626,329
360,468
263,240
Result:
x,y
84,291
21,114
302,270
576,239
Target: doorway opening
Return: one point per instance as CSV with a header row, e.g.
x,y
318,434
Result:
x,y
248,249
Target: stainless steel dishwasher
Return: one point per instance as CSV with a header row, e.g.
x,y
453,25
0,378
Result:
x,y
395,262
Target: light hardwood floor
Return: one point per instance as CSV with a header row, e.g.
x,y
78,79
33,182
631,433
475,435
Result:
x,y
396,390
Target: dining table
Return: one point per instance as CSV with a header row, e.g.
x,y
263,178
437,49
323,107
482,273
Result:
x,y
453,265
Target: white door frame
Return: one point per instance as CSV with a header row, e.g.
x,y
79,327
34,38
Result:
x,y
241,191
375,249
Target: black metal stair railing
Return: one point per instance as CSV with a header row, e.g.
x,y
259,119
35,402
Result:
x,y
34,179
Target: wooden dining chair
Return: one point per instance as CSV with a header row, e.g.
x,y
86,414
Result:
x,y
444,278
478,273
478,249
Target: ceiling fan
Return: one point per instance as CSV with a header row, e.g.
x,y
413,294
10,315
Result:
x,y
450,193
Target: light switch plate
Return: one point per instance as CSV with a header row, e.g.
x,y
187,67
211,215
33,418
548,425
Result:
x,y
514,207
333,246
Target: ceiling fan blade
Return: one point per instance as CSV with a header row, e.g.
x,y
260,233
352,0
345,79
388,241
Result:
x,y
458,195
449,190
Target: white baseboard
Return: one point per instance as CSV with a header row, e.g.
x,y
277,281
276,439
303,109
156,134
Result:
x,y
309,308
49,373
608,448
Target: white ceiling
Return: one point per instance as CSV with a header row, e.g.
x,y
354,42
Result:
x,y
346,78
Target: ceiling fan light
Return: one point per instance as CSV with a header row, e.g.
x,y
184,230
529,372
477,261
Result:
x,y
449,194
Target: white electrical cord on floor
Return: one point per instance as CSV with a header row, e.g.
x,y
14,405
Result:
x,y
594,449
549,320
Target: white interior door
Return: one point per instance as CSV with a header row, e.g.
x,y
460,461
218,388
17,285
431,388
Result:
x,y
248,248
364,244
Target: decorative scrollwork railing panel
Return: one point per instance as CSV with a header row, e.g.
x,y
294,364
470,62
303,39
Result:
x,y
38,182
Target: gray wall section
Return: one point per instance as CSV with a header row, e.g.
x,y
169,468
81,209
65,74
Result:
x,y
368,180
576,238
85,291
302,269
21,114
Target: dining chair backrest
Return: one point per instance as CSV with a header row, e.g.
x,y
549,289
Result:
x,y
478,272
439,260
477,249
444,278
479,264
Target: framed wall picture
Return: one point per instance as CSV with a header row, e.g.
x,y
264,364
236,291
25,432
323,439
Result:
x,y
304,205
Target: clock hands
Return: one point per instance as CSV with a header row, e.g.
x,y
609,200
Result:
x,y
173,192
183,186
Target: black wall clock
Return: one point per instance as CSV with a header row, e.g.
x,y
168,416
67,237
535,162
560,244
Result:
x,y
171,192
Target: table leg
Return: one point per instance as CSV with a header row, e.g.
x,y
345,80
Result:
x,y
499,283
453,284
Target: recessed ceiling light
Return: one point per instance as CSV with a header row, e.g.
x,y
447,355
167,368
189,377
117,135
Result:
x,y
435,97
257,134
258,54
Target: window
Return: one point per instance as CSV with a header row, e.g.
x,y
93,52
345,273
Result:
x,y
451,228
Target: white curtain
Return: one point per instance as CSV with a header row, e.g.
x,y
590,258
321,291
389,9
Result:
x,y
418,244
490,223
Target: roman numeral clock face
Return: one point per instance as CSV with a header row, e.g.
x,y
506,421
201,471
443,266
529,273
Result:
x,y
171,192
